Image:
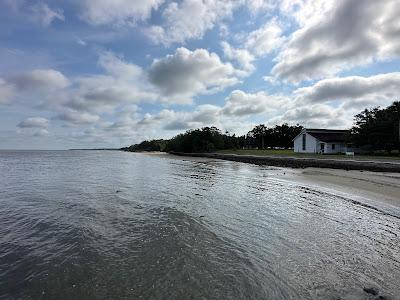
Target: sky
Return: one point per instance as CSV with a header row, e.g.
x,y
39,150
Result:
x,y
100,73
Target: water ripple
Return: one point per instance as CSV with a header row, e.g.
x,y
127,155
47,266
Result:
x,y
100,225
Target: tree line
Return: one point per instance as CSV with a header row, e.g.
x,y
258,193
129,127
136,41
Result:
x,y
375,129
152,145
209,139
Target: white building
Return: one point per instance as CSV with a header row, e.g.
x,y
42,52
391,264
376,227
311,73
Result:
x,y
321,141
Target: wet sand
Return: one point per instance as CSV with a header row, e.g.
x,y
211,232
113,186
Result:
x,y
378,188
301,162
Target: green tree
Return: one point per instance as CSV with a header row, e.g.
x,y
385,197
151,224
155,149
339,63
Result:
x,y
278,136
283,135
377,128
259,134
207,139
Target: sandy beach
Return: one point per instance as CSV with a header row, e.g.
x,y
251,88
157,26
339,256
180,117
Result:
x,y
301,162
375,187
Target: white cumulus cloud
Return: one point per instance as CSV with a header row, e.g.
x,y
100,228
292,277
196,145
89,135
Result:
x,y
39,79
347,34
190,19
265,39
240,103
377,89
187,73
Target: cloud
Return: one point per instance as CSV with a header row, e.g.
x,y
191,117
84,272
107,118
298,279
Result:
x,y
122,83
178,121
34,122
102,92
41,132
121,12
304,11
190,19
206,114
40,79
256,44
38,12
317,116
6,91
256,6
232,116
117,67
347,34
125,124
377,89
265,39
177,125
81,42
43,14
238,106
271,80
187,73
240,103
76,117
242,56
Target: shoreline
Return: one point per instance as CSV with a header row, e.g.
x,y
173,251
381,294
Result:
x,y
377,190
380,190
297,162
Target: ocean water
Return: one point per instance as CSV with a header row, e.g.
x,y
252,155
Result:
x,y
115,225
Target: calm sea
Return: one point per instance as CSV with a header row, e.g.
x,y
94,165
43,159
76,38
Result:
x,y
115,225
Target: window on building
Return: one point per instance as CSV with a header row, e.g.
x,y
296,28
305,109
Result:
x,y
304,142
333,146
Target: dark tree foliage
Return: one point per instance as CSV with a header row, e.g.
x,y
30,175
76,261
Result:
x,y
257,136
207,139
153,145
279,136
377,128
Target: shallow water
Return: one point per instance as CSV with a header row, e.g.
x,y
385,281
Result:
x,y
105,224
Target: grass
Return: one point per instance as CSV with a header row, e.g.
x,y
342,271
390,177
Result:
x,y
285,152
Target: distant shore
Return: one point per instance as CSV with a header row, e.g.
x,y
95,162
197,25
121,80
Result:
x,y
297,162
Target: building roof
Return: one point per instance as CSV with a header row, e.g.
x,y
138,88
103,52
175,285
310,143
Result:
x,y
328,135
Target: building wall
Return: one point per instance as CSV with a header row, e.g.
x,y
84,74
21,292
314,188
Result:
x,y
339,148
314,146
311,144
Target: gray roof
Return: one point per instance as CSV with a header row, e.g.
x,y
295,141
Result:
x,y
328,135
